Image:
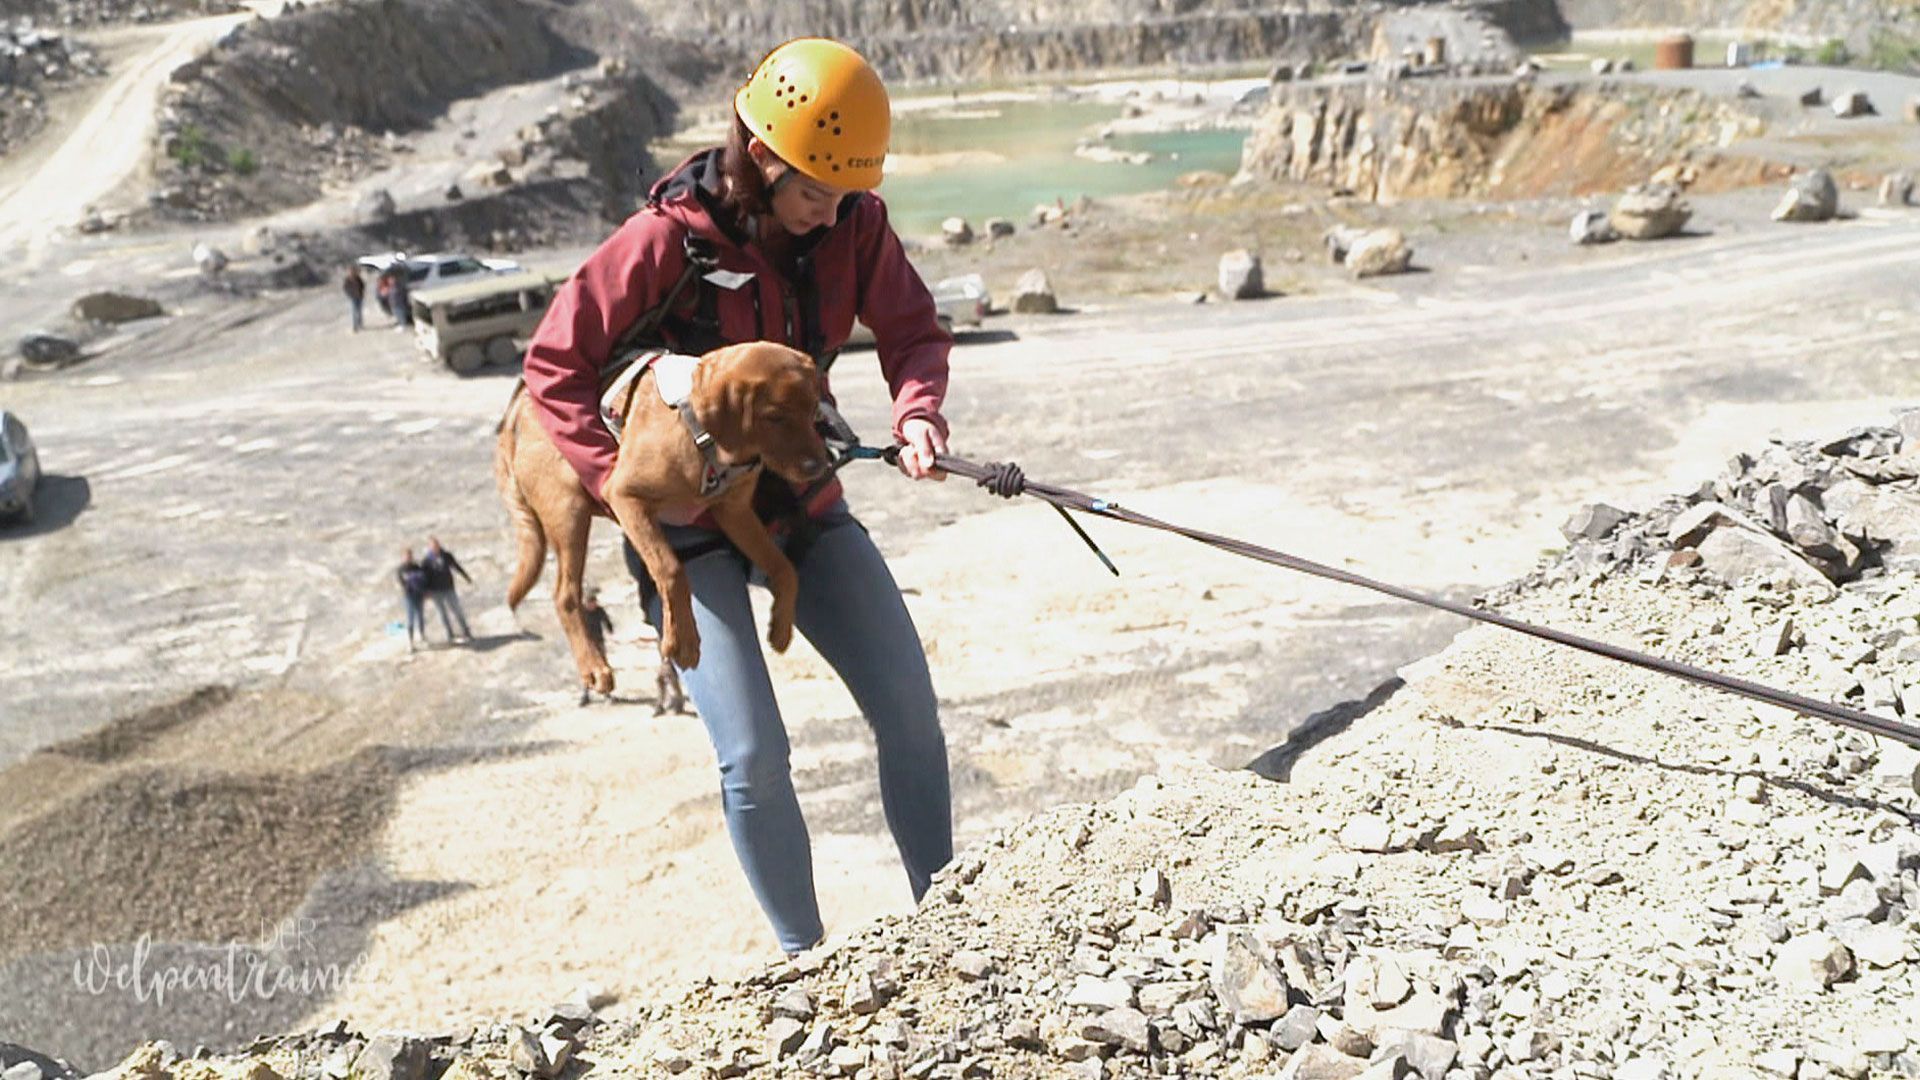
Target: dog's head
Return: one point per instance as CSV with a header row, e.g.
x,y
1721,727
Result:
x,y
770,394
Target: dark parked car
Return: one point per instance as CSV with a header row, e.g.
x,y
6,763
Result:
x,y
19,469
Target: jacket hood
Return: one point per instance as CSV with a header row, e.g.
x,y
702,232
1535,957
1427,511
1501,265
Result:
x,y
690,194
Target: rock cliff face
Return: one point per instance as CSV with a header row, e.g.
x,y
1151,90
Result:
x,y
1390,140
1844,19
285,108
975,39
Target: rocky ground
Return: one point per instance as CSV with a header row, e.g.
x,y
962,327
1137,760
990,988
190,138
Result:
x,y
1511,861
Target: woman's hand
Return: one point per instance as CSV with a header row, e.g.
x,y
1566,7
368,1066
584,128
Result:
x,y
923,441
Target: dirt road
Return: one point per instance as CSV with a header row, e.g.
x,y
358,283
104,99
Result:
x,y
230,495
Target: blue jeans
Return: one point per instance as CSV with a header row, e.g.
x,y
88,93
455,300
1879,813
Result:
x,y
851,611
353,306
442,600
416,617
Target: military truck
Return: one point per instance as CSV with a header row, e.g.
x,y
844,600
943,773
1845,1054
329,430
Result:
x,y
482,322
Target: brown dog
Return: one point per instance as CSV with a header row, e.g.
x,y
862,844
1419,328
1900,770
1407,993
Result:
x,y
755,403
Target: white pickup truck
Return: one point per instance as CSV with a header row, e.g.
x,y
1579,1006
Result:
x,y
959,301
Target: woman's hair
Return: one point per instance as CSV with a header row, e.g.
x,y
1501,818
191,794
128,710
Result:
x,y
747,193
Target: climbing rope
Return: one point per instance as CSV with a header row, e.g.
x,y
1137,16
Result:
x,y
1009,481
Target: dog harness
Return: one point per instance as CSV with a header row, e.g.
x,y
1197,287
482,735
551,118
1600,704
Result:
x,y
673,378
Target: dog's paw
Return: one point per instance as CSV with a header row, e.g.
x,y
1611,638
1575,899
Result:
x,y
600,680
682,649
780,634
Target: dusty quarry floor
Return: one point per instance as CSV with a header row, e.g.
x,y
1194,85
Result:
x,y
208,727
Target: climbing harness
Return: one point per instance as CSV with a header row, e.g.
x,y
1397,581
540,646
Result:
x,y
1007,481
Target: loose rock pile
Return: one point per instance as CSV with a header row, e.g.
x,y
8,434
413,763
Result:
x,y
30,58
1796,515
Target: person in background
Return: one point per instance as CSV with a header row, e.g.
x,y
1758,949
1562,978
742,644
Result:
x,y
440,566
413,587
356,291
399,297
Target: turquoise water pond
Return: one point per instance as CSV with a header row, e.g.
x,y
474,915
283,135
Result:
x,y
999,159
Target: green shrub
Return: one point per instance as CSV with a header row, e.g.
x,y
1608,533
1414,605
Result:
x,y
1894,52
191,148
243,162
1833,53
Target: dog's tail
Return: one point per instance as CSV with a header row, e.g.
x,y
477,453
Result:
x,y
531,537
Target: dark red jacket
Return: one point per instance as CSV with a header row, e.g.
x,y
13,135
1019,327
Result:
x,y
860,269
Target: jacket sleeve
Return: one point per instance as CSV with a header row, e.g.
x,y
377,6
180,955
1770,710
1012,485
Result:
x,y
457,568
895,303
624,278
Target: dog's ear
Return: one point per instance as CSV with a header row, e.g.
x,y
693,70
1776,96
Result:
x,y
741,396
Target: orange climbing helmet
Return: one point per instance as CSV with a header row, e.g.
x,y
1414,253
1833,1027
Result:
x,y
821,107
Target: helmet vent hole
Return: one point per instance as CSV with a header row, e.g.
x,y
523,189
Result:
x,y
836,131
820,123
833,116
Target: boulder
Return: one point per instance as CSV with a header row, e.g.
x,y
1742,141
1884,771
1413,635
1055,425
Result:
x,y
956,232
1339,240
376,206
113,307
1318,1061
1240,276
1650,212
1048,214
1033,294
1910,112
1812,97
1812,196
1379,251
1592,521
210,260
1693,524
1809,531
393,1057
1897,189
1852,103
48,349
1247,982
1812,962
1865,442
998,227
1739,554
1885,516
1592,227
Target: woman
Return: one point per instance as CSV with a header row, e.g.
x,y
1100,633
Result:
x,y
778,236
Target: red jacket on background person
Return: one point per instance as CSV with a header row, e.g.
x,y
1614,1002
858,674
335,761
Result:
x,y
859,269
